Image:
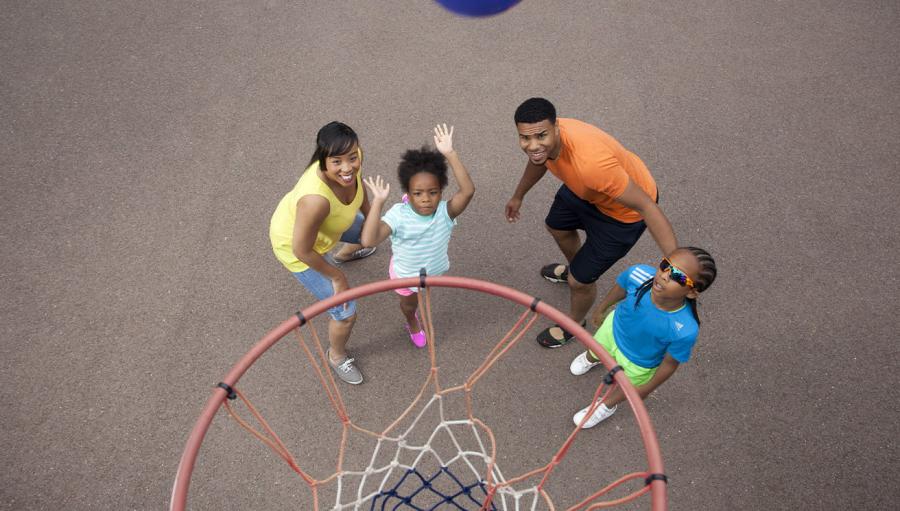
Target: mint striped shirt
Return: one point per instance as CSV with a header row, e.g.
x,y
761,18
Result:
x,y
419,241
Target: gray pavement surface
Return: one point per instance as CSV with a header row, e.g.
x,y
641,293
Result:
x,y
144,146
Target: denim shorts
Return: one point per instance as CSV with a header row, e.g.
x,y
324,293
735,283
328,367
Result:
x,y
320,285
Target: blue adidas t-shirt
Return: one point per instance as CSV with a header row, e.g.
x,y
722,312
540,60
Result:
x,y
644,334
419,241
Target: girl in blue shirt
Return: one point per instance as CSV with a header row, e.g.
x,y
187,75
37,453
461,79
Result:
x,y
420,225
649,333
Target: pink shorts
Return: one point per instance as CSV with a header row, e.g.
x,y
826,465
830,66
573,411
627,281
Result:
x,y
402,291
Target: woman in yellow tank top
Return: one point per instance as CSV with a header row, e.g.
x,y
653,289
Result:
x,y
326,206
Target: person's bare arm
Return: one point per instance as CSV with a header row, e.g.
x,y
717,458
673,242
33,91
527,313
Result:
x,y
616,294
657,223
443,140
366,204
374,230
312,210
533,173
460,200
665,370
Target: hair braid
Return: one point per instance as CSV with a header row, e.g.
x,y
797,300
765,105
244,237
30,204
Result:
x,y
641,291
707,273
705,276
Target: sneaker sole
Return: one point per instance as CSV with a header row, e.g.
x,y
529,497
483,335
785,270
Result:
x,y
548,273
581,374
337,374
561,343
554,346
586,426
355,258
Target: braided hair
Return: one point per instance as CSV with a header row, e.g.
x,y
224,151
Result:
x,y
705,277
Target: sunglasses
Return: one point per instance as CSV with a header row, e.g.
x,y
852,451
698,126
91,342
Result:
x,y
675,273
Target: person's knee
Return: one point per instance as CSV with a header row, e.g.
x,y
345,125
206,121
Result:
x,y
558,234
347,322
577,286
408,304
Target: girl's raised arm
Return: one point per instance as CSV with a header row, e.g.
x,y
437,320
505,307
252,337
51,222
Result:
x,y
443,140
375,231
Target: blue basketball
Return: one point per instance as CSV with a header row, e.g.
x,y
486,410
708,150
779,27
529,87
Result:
x,y
477,7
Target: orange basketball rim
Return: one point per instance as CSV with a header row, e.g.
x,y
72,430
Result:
x,y
456,482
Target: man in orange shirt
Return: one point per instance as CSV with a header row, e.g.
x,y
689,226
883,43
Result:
x,y
607,192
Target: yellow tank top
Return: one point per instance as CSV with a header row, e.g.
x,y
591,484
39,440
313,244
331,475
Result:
x,y
339,219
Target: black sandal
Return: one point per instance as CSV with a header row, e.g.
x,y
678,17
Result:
x,y
549,273
547,340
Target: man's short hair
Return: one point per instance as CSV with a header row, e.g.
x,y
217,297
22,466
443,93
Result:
x,y
535,110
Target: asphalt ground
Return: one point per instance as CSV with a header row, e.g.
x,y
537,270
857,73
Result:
x,y
145,145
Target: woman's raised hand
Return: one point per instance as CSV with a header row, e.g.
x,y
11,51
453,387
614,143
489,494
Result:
x,y
443,139
378,187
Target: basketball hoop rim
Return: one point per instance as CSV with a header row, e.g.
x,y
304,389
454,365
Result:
x,y
219,394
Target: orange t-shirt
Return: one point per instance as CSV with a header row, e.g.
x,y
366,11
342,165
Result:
x,y
597,168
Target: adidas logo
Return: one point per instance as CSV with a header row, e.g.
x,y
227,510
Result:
x,y
678,326
639,276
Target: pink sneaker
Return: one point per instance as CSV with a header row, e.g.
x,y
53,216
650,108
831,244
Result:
x,y
417,338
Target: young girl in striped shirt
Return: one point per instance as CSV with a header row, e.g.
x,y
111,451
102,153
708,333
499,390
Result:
x,y
420,225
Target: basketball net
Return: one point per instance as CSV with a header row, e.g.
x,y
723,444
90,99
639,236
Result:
x,y
436,461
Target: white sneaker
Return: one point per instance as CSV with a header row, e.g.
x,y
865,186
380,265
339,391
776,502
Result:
x,y
600,414
582,364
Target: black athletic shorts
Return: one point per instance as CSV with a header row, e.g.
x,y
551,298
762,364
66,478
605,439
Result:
x,y
608,239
